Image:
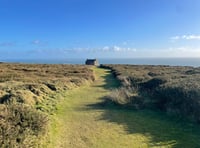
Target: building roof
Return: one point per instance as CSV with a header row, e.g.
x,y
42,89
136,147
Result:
x,y
91,62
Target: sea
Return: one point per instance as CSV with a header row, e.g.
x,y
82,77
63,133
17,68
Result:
x,y
194,62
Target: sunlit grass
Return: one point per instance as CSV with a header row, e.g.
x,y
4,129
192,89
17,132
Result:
x,y
83,121
30,92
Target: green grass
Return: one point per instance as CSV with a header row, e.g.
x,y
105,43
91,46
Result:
x,y
83,121
28,95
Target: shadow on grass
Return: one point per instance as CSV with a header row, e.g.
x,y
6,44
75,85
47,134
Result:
x,y
160,129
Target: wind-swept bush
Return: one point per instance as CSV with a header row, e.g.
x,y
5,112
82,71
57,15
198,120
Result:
x,y
173,89
21,126
179,101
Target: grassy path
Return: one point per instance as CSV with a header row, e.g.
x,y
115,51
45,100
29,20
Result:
x,y
81,121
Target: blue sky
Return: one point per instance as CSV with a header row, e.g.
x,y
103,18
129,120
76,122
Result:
x,y
99,28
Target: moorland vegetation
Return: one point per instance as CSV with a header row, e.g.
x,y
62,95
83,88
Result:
x,y
172,89
27,98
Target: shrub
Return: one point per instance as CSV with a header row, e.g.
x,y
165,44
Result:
x,y
179,101
25,85
20,125
173,89
152,84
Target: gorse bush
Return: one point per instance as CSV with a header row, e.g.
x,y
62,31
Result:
x,y
179,101
173,89
27,88
21,125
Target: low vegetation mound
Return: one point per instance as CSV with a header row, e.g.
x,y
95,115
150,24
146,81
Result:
x,y
21,126
173,89
31,83
27,94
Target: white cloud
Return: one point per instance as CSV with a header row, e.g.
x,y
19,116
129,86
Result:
x,y
118,49
175,38
185,37
119,52
191,37
6,44
106,48
84,51
38,42
181,52
125,43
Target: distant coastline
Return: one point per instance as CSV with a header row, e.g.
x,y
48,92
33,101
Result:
x,y
195,62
